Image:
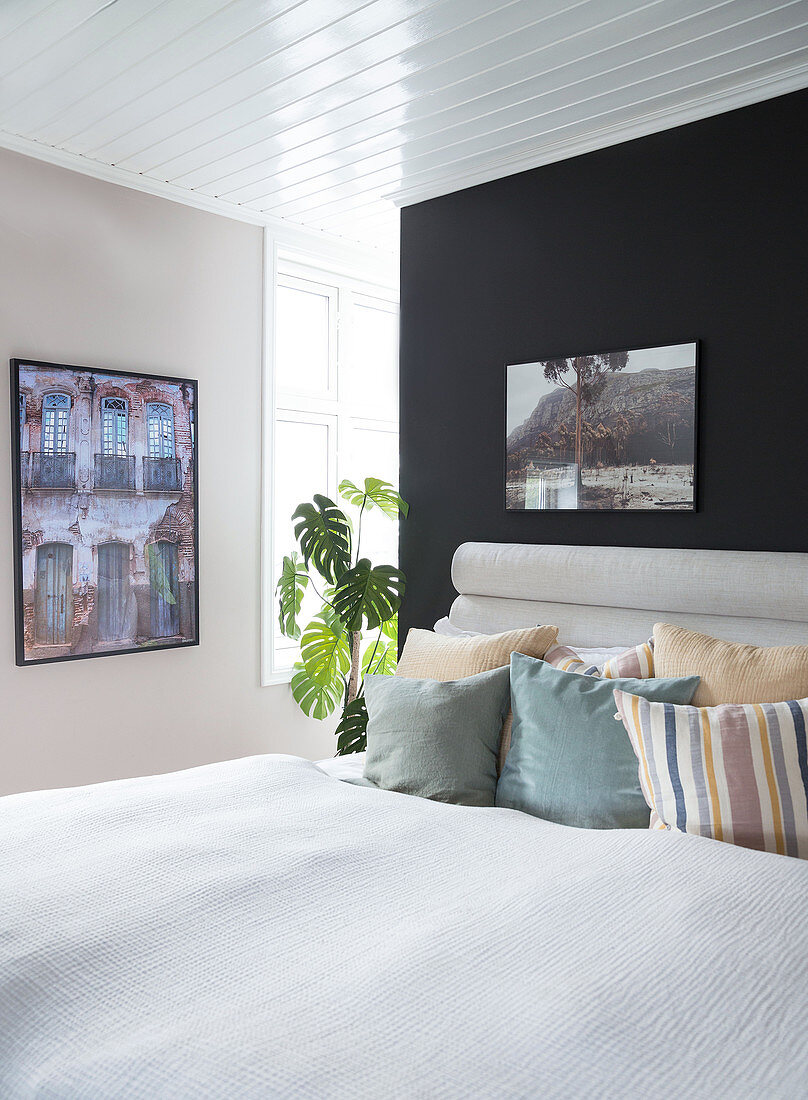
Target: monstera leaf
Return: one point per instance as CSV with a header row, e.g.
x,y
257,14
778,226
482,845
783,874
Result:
x,y
351,731
390,630
325,650
368,593
324,534
380,659
290,588
375,494
316,700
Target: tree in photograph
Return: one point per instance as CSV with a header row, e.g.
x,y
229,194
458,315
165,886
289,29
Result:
x,y
544,444
674,415
563,441
584,376
598,442
589,437
621,431
604,442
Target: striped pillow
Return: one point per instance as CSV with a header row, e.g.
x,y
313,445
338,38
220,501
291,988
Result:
x,y
736,772
637,662
567,659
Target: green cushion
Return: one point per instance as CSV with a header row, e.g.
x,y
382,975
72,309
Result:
x,y
570,761
437,739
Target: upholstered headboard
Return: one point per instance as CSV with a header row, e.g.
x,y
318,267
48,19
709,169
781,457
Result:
x,y
610,595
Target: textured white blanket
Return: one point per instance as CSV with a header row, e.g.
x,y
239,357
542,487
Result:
x,y
259,929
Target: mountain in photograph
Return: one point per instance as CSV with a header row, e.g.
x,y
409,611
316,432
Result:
x,y
648,415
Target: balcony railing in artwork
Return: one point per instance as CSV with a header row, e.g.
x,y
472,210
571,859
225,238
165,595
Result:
x,y
114,472
53,471
162,475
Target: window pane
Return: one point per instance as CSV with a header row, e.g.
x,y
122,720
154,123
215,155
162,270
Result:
x,y
55,430
301,470
374,453
371,381
301,348
113,427
160,431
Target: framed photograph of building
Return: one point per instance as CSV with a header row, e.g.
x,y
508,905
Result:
x,y
105,511
607,431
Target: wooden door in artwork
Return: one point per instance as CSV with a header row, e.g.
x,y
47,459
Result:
x,y
164,589
54,594
113,591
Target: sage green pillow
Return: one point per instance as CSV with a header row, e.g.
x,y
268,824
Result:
x,y
437,739
570,761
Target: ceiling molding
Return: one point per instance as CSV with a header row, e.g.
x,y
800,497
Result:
x,y
293,233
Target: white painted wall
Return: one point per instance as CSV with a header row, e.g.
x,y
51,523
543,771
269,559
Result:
x,y
99,275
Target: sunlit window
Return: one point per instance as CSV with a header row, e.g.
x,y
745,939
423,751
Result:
x,y
336,405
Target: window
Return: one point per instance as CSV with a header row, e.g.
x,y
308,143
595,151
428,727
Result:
x,y
192,416
305,337
335,411
55,423
113,426
162,472
160,431
22,412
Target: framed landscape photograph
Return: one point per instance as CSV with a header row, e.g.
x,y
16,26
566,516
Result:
x,y
105,511
607,431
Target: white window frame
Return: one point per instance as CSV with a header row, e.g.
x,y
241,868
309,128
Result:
x,y
305,282
353,270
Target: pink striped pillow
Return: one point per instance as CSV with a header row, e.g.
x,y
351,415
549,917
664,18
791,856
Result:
x,y
737,772
637,662
567,659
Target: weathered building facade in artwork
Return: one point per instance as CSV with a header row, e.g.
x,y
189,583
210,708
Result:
x,y
108,528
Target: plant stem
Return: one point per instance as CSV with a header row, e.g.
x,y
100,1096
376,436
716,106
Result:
x,y
353,679
370,662
317,592
359,530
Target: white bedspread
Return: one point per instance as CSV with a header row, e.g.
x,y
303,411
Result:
x,y
260,929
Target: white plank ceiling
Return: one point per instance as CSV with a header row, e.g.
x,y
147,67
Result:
x,y
329,113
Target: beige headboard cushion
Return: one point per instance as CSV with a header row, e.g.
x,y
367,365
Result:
x,y
613,595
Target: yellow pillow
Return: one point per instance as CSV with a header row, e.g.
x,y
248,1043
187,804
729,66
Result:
x,y
430,656
731,672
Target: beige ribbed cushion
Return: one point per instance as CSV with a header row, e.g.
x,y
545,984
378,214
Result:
x,y
731,672
430,656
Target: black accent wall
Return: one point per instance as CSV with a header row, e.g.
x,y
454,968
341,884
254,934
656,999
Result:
x,y
700,232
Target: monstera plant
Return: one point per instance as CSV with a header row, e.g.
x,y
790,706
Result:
x,y
357,599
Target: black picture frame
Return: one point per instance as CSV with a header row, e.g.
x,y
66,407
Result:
x,y
68,480
697,346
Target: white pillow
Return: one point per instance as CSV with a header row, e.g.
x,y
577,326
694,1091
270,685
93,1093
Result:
x,y
598,655
444,627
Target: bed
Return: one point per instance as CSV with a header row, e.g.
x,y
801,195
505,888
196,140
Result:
x,y
262,928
